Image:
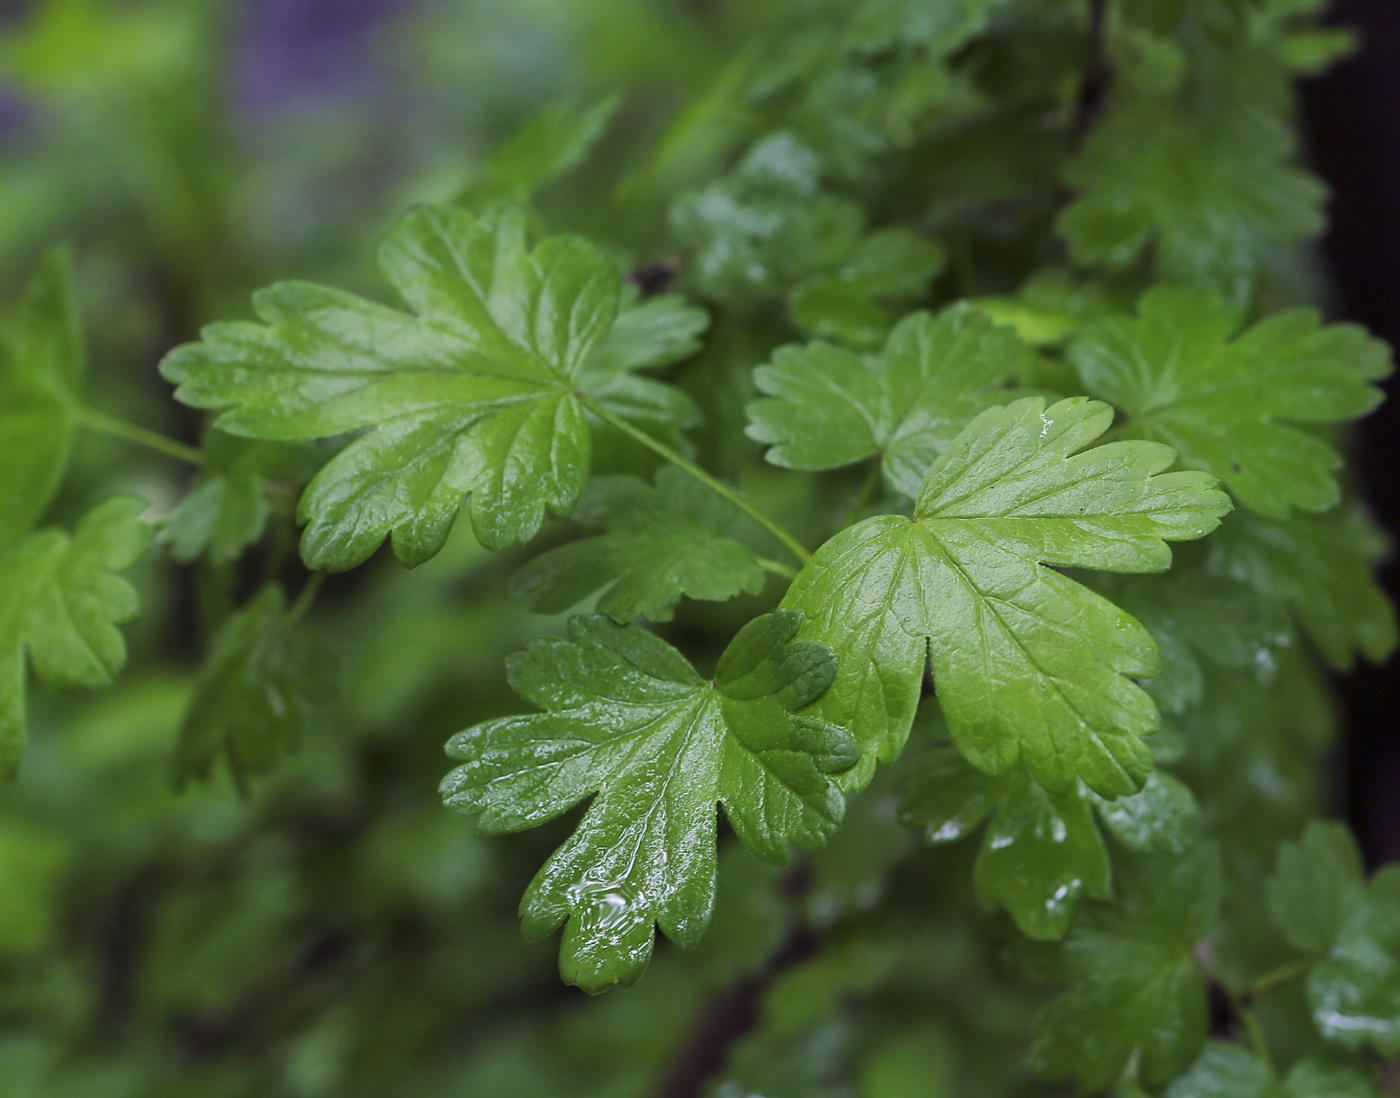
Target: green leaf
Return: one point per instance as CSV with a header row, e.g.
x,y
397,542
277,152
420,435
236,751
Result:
x,y
255,695
1027,663
660,543
1186,375
61,603
847,305
1042,852
1319,567
480,393
628,719
1317,887
1207,193
1231,1071
227,508
550,144
1136,994
1319,899
1199,619
939,28
41,369
826,407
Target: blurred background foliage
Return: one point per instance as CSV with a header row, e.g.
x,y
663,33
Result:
x,y
337,932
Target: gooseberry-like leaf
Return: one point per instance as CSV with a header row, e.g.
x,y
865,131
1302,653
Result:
x,y
41,368
478,392
227,507
1027,663
1226,399
1321,901
60,603
659,543
1320,568
1136,994
1231,1071
253,698
1041,853
826,407
630,723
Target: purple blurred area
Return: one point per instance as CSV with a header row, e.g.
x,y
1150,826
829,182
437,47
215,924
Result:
x,y
1353,121
295,48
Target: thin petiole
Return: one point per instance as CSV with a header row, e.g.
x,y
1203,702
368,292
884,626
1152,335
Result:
x,y
306,597
777,568
1272,981
790,543
867,490
105,424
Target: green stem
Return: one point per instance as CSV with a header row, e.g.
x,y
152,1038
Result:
x,y
1272,981
777,568
863,496
790,543
1256,1037
306,598
104,424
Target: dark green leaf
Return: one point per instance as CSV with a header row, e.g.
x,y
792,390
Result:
x,y
254,697
659,544
628,719
1185,375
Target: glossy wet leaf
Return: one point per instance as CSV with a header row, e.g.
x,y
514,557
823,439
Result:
x,y
1320,900
1135,995
628,722
825,406
1319,567
41,369
1226,1070
474,393
227,507
61,602
1232,401
255,694
658,544
1205,193
1041,853
1026,662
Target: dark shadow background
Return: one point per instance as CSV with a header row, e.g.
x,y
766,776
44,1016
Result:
x,y
1353,122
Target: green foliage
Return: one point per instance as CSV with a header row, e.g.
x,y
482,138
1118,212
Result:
x,y
965,585
628,718
60,604
660,543
939,440
481,393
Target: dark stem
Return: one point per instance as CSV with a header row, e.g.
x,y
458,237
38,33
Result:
x,y
1097,76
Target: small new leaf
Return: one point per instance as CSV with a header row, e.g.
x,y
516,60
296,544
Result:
x,y
826,407
1041,852
627,718
479,392
41,368
1185,375
61,602
659,544
254,697
227,508
1027,663
1136,993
